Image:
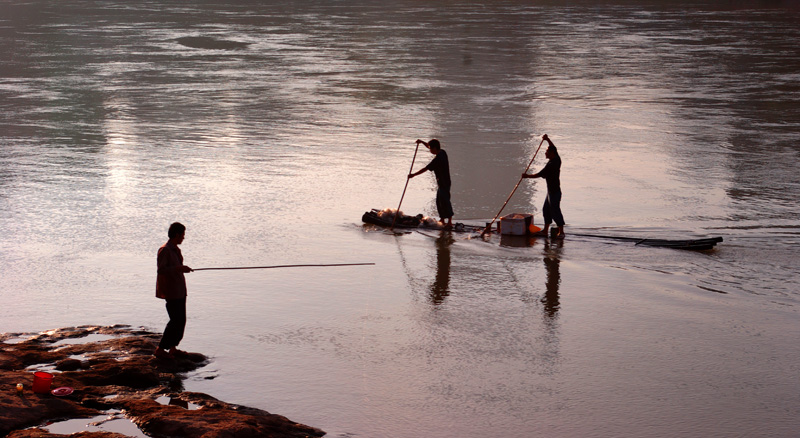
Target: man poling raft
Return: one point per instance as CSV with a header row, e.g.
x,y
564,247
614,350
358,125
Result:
x,y
525,175
440,166
552,203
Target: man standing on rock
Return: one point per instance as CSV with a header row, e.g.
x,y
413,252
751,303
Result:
x,y
171,286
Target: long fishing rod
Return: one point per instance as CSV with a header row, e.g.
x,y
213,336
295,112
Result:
x,y
397,213
283,266
489,226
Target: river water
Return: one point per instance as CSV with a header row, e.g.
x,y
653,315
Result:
x,y
268,128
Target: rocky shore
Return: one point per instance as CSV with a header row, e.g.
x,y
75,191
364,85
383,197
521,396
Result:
x,y
111,370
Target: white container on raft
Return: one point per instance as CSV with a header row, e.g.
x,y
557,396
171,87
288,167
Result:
x,y
516,224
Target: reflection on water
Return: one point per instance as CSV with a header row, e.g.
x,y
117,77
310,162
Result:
x,y
551,256
551,264
113,422
440,288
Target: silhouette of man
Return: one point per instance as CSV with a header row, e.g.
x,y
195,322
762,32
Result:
x,y
171,286
440,166
552,203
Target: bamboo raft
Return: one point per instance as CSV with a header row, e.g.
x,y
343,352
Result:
x,y
416,222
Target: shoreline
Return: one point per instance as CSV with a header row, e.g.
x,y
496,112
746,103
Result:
x,y
118,373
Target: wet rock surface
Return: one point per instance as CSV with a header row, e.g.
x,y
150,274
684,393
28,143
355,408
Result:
x,y
119,372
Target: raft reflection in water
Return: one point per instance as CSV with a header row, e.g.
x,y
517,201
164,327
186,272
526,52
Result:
x,y
440,288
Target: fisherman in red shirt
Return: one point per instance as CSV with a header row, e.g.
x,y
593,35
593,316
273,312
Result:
x,y
171,286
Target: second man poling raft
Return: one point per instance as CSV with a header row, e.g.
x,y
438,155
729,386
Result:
x,y
552,202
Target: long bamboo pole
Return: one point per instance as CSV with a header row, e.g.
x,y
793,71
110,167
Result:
x,y
283,266
397,213
489,226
